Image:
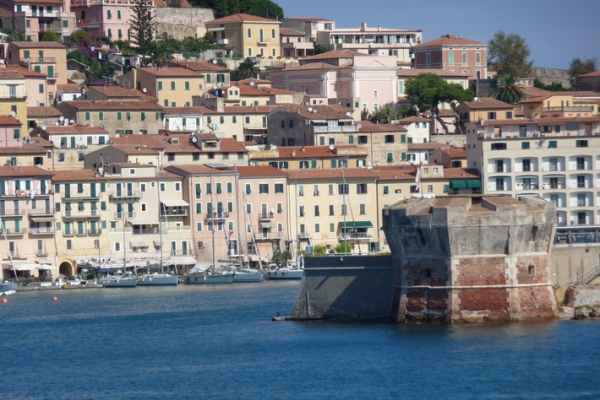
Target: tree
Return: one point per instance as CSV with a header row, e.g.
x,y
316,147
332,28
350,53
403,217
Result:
x,y
79,35
143,25
384,115
260,8
320,48
580,67
247,69
508,90
508,55
160,54
553,87
427,91
50,36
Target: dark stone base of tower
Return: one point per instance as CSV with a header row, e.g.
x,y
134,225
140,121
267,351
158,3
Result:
x,y
471,259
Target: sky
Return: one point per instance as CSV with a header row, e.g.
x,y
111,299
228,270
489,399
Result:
x,y
556,31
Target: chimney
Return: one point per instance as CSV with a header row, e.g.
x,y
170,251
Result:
x,y
363,26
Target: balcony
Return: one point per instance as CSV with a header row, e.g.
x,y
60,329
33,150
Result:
x,y
82,196
82,214
304,235
40,231
94,232
268,236
265,216
20,93
222,41
174,213
217,216
81,233
41,253
11,213
125,214
126,194
25,193
355,236
11,232
40,212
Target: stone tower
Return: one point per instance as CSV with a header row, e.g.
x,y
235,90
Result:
x,y
471,259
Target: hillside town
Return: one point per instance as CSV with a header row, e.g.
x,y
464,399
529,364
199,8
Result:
x,y
185,159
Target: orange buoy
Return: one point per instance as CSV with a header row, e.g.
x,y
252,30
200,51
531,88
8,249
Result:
x,y
4,301
54,298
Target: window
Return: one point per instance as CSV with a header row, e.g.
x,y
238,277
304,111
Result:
x,y
279,188
317,211
17,133
375,94
389,138
390,157
525,145
248,188
249,33
263,188
581,143
492,115
363,140
361,188
344,209
552,144
301,211
498,146
386,190
331,210
160,85
362,209
343,188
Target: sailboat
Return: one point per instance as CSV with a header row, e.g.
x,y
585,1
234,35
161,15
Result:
x,y
210,275
127,279
156,278
7,288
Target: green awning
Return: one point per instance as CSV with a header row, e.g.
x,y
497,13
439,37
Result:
x,y
474,184
458,184
356,224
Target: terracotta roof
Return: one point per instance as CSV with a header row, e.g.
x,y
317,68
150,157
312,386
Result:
x,y
534,100
125,105
535,92
413,119
187,110
200,169
40,45
43,112
38,1
185,145
75,130
310,19
245,110
70,87
290,32
427,146
301,152
171,72
336,54
29,150
25,72
368,126
118,91
38,142
411,72
541,121
247,90
261,170
240,18
395,174
317,113
201,66
78,176
346,173
455,152
486,103
9,120
449,40
590,75
460,173
11,74
23,171
315,65
132,149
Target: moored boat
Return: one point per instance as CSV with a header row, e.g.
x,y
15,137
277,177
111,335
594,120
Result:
x,y
157,279
208,278
7,288
119,281
284,273
248,275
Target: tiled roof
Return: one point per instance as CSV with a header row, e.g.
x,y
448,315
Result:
x,y
201,66
301,152
245,110
317,113
486,103
311,66
9,120
310,19
77,176
25,72
426,146
185,145
69,87
410,72
256,81
241,18
413,119
541,121
75,130
132,149
290,32
579,93
187,110
40,45
534,100
125,105
199,169
42,112
38,142
171,72
336,54
23,171
118,91
449,40
261,170
460,173
590,75
29,150
247,90
456,152
368,126
11,74
535,92
346,173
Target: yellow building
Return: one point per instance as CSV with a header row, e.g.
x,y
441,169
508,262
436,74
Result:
x,y
558,105
172,87
484,109
13,96
310,157
247,34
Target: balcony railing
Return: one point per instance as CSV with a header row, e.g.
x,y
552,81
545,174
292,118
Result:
x,y
82,195
217,216
126,194
355,236
25,193
122,214
11,213
82,214
265,216
41,253
13,232
41,211
173,213
304,235
268,236
42,231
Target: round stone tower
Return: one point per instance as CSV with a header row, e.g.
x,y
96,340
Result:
x,y
471,259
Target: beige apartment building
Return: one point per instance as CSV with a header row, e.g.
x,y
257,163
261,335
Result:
x,y
13,97
27,222
557,159
310,157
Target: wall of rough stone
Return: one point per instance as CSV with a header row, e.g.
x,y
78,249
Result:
x,y
549,76
180,23
581,296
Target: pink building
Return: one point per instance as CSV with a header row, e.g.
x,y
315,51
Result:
x,y
34,17
354,79
10,132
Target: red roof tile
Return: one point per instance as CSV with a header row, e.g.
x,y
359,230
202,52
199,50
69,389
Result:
x,y
43,112
368,126
336,54
201,66
78,176
449,40
171,72
23,171
347,173
411,72
487,103
125,105
236,18
260,170
75,130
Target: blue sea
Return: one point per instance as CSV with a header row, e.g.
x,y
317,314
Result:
x,y
196,342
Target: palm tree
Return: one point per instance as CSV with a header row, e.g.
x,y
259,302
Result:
x,y
508,90
160,54
247,69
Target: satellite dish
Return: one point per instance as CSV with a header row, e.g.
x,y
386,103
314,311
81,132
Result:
x,y
310,109
348,114
214,61
57,123
140,132
101,170
61,119
145,90
476,99
194,139
12,113
252,83
72,122
44,127
331,147
66,122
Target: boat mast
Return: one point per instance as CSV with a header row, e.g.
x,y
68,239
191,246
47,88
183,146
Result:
x,y
237,212
124,237
160,207
212,219
12,266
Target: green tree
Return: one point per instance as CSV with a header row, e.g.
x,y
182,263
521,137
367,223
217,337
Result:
x,y
80,35
14,36
427,91
143,25
508,90
508,55
580,67
384,115
260,8
50,36
160,54
344,248
320,250
553,87
320,48
247,69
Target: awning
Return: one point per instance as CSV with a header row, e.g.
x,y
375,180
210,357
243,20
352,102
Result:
x,y
43,219
458,184
356,224
175,203
20,265
266,225
44,266
474,184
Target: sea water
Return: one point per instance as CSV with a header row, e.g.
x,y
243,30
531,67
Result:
x,y
219,342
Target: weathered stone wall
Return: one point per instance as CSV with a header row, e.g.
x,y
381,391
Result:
x,y
180,23
549,76
581,296
357,288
